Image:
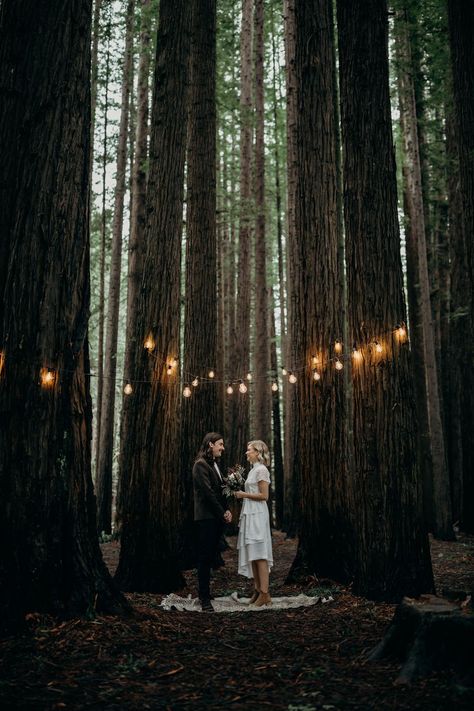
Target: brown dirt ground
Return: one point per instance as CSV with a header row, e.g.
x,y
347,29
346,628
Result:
x,y
300,660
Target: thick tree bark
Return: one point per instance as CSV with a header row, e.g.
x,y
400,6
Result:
x,y
461,18
392,556
50,558
239,434
422,326
200,411
319,427
103,480
136,245
262,424
150,506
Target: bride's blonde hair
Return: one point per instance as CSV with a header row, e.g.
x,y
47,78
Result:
x,y
262,450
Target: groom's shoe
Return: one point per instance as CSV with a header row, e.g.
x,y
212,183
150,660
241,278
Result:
x,y
206,605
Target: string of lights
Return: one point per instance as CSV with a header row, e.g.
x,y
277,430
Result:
x,y
48,376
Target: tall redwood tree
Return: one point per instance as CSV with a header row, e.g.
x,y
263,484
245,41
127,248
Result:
x,y
49,553
150,505
392,557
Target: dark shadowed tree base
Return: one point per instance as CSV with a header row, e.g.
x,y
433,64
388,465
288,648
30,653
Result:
x,y
321,561
155,577
427,635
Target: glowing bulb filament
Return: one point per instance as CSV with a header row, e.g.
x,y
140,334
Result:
x,y
242,387
48,377
149,343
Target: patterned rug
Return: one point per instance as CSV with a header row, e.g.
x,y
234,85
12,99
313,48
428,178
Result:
x,y
233,603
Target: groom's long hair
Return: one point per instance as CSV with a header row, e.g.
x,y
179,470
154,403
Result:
x,y
204,452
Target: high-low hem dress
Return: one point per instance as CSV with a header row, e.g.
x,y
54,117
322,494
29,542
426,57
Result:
x,y
254,541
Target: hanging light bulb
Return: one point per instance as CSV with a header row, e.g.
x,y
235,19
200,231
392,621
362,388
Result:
x,y
356,354
242,387
230,389
195,382
292,378
249,376
314,360
275,387
149,342
316,375
284,370
169,369
128,390
401,332
48,377
211,374
378,347
338,364
187,391
338,346
174,362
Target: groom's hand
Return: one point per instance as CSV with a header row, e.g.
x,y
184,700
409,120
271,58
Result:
x,y
228,517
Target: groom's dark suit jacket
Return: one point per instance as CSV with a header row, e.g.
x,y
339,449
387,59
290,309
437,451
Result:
x,y
209,501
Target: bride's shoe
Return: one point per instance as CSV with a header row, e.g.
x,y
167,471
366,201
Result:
x,y
254,597
263,599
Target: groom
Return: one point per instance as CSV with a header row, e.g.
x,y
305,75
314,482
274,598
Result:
x,y
210,511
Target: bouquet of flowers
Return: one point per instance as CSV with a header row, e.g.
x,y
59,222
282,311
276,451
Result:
x,y
234,481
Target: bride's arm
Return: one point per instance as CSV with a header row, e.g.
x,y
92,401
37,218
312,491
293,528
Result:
x,y
263,489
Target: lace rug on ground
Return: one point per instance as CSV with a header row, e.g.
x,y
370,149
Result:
x,y
233,603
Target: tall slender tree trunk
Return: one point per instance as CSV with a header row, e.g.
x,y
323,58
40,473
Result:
x,y
103,236
392,553
50,557
150,506
136,245
262,426
461,18
199,412
291,515
103,482
241,337
319,428
94,72
422,326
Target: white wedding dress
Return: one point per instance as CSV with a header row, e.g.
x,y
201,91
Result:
x,y
254,541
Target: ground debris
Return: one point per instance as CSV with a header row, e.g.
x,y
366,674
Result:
x,y
303,659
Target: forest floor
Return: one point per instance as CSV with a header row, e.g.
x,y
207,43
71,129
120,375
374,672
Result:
x,y
295,660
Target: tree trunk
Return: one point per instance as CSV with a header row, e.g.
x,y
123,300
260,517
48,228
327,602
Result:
x,y
103,235
319,427
150,506
239,434
291,514
262,424
103,483
50,557
392,556
422,319
461,18
199,412
136,246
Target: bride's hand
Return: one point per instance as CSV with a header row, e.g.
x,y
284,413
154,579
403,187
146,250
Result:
x,y
239,494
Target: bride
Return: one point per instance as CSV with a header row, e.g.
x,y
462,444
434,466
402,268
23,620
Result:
x,y
254,541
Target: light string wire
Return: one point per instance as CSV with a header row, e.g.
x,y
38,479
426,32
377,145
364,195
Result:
x,y
49,374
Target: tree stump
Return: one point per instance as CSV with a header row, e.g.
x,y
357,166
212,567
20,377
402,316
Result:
x,y
430,634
